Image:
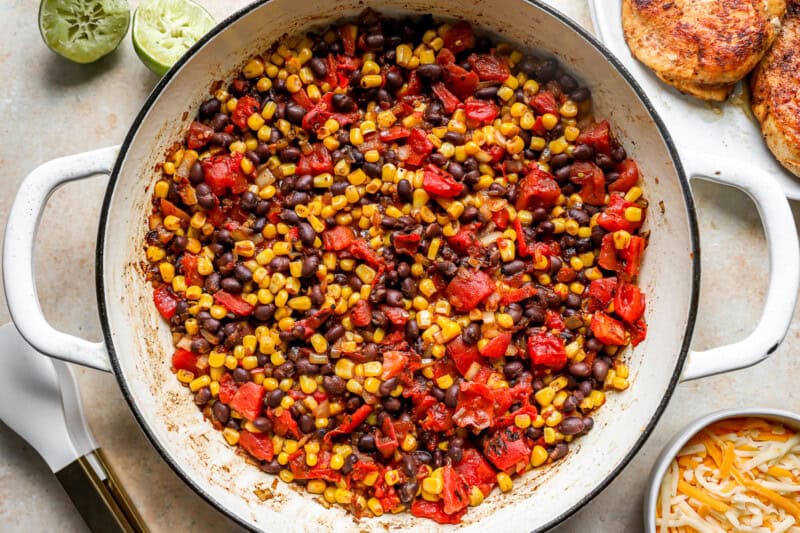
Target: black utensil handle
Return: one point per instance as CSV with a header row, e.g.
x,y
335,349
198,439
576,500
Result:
x,y
103,504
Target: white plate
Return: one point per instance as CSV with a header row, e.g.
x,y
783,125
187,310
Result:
x,y
724,129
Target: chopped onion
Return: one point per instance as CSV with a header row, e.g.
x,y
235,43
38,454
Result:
x,y
318,359
490,238
265,177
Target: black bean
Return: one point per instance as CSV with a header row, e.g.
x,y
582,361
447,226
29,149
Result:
x,y
407,491
619,154
392,405
200,345
469,215
388,386
374,41
545,226
394,298
455,453
306,368
264,312
570,404
280,264
306,423
394,79
271,467
562,175
242,273
513,267
559,451
310,266
472,333
273,398
545,70
343,103
231,285
454,137
222,138
367,443
179,243
600,370
221,412
580,369
202,396
588,424
334,384
535,314
513,369
451,396
240,375
412,329
196,173
534,433
289,154
580,95
593,345
559,160
210,107
605,162
318,67
212,283
571,425
219,121
295,113
568,83
573,301
334,333
307,234
211,324
486,93
430,72
456,170
583,152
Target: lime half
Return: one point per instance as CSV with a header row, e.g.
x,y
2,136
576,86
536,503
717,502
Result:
x,y
163,30
83,30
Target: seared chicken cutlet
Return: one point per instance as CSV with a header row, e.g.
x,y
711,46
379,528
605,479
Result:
x,y
776,92
701,47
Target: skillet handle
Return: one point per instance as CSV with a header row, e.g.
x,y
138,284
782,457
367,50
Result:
x,y
784,263
18,276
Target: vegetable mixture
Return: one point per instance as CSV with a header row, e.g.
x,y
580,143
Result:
x,y
740,474
399,262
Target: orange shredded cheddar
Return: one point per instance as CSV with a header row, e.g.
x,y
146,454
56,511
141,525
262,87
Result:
x,y
727,461
702,496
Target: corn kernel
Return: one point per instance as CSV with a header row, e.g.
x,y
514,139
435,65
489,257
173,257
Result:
x,y
538,456
633,214
504,481
544,396
231,436
432,485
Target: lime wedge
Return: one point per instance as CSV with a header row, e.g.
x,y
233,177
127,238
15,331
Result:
x,y
83,31
163,30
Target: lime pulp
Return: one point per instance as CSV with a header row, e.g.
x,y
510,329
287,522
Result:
x,y
83,31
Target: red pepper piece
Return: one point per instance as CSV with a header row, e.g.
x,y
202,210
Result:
x,y
301,98
613,217
459,37
435,511
311,324
283,424
628,176
166,302
386,440
461,82
607,330
592,181
469,288
544,102
406,244
349,422
482,111
632,255
168,208
522,244
456,491
601,292
598,136
608,254
500,218
224,172
419,142
186,360
259,445
348,32
249,400
245,106
362,250
629,302
517,295
227,388
466,240
445,57
553,320
462,354
475,408
396,315
393,363
497,152
233,303
438,418
507,449
189,264
317,162
545,349
477,471
440,182
489,67
361,314
338,238
199,135
449,100
537,189
394,133
497,347
638,331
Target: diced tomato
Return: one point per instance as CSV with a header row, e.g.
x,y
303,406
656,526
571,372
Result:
x,y
537,189
482,111
476,470
199,135
406,243
245,106
608,254
456,490
283,424
419,142
544,102
393,363
361,314
607,330
189,264
459,37
638,331
350,422
445,57
462,354
517,295
438,418
227,388
166,302
301,98
216,216
413,87
497,347
449,100
507,450
249,400
466,240
362,250
598,136
396,315
601,292
186,360
223,172
545,349
469,288
233,303
500,218
629,302
632,255
259,445
317,162
386,439
628,176
394,133
505,397
338,238
489,67
592,181
461,82
475,408
440,182
348,32
613,217
435,511
497,152
553,320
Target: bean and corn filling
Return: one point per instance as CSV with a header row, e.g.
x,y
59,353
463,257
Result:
x,y
399,263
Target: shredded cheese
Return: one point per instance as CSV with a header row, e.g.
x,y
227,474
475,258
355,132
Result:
x,y
739,474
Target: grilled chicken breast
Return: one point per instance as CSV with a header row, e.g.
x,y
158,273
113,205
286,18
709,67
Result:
x,y
776,92
701,47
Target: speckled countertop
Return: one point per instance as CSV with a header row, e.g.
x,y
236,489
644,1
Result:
x,y
50,108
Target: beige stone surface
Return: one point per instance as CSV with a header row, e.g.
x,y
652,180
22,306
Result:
x,y
50,108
